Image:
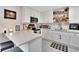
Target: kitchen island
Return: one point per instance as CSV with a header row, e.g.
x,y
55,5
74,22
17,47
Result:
x,y
27,41
34,42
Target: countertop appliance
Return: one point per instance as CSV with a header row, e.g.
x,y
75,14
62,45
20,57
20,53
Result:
x,y
31,26
33,19
74,26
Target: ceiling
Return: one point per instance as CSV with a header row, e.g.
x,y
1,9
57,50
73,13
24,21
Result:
x,y
45,8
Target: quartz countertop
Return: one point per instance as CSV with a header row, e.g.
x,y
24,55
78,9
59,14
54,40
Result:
x,y
20,38
3,38
67,31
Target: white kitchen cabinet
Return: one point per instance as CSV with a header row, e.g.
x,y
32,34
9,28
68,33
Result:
x,y
24,47
27,12
73,49
45,33
68,38
46,46
32,46
62,37
65,38
51,35
58,36
35,45
74,41
47,16
73,14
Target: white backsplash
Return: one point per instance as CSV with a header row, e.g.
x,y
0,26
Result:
x,y
57,26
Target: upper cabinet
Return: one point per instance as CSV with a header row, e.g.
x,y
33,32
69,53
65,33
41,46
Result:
x,y
47,16
74,14
27,13
71,15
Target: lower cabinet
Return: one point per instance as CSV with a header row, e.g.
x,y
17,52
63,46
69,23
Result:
x,y
32,46
55,35
24,47
46,46
46,33
43,44
52,35
35,45
74,41
58,36
65,38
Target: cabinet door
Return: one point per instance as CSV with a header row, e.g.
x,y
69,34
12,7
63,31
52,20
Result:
x,y
56,36
46,34
24,47
52,35
65,38
35,45
74,41
46,46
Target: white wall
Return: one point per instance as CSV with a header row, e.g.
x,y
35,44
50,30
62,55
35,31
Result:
x,y
74,14
24,13
47,16
27,12
9,23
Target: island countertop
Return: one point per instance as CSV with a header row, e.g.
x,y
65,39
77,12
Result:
x,y
20,38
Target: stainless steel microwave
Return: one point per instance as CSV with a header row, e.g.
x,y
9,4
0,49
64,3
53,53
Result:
x,y
74,26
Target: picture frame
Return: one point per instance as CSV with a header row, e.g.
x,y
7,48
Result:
x,y
9,14
61,15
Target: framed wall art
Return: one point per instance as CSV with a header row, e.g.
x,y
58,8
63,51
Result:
x,y
61,15
9,14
